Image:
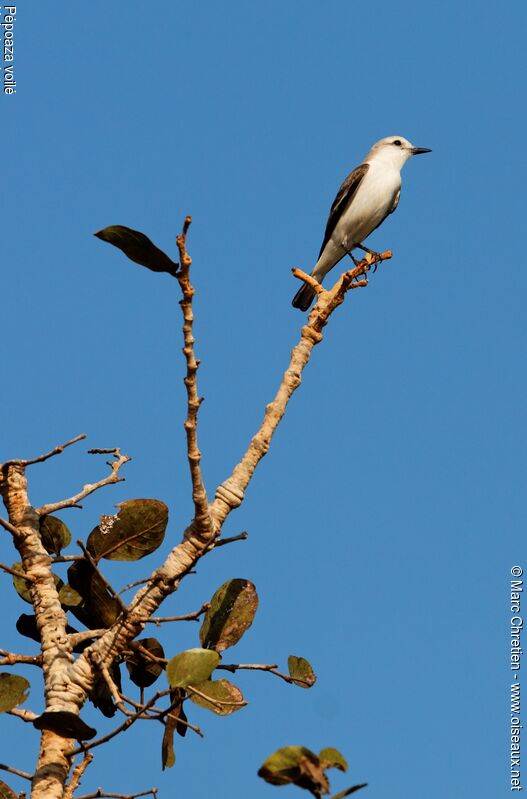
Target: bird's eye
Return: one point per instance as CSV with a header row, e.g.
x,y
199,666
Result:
x,y
397,142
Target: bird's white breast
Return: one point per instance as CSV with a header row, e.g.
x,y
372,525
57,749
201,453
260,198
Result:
x,y
370,204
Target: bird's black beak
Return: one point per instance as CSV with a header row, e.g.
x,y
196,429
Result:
x,y
419,150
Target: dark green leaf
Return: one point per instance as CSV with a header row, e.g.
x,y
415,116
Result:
x,y
220,696
14,691
66,724
301,672
6,792
135,531
331,758
143,671
138,248
349,791
55,534
191,666
98,608
100,695
231,613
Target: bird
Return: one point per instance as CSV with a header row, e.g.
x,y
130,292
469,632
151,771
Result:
x,y
368,195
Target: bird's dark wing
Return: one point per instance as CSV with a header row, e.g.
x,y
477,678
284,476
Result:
x,y
344,196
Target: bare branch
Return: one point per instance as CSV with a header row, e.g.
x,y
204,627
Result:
x,y
220,542
77,774
10,658
55,451
100,793
8,526
11,770
188,617
85,635
113,477
231,493
199,495
272,668
133,585
122,727
16,573
24,715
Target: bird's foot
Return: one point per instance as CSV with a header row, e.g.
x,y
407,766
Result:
x,y
374,254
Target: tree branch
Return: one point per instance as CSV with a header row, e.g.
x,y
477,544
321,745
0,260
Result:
x,y
10,658
113,477
77,775
100,793
272,668
11,770
55,451
230,494
202,517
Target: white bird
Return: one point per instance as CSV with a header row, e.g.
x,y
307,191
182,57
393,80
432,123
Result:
x,y
363,202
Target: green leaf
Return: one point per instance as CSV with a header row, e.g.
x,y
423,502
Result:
x,y
191,666
14,691
349,791
220,696
331,758
69,597
134,532
55,534
231,613
297,765
66,724
138,248
143,671
6,792
301,671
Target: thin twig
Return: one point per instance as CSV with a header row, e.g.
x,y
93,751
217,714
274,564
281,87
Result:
x,y
100,793
8,526
10,658
199,495
11,770
16,573
113,477
220,542
133,585
77,774
55,451
121,728
272,668
188,617
25,715
85,635
230,494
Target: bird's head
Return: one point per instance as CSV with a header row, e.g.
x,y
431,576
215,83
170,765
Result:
x,y
394,150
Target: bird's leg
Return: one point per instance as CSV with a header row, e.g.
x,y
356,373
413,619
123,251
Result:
x,y
348,252
371,252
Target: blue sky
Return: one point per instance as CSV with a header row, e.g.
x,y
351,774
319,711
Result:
x,y
385,520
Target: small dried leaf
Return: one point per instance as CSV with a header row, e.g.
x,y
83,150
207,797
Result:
x,y
231,613
69,597
55,534
143,671
301,671
349,791
297,765
138,248
168,756
14,691
6,792
220,696
137,530
191,666
332,758
66,724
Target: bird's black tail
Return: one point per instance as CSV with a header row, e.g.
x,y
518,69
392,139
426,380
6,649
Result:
x,y
304,297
